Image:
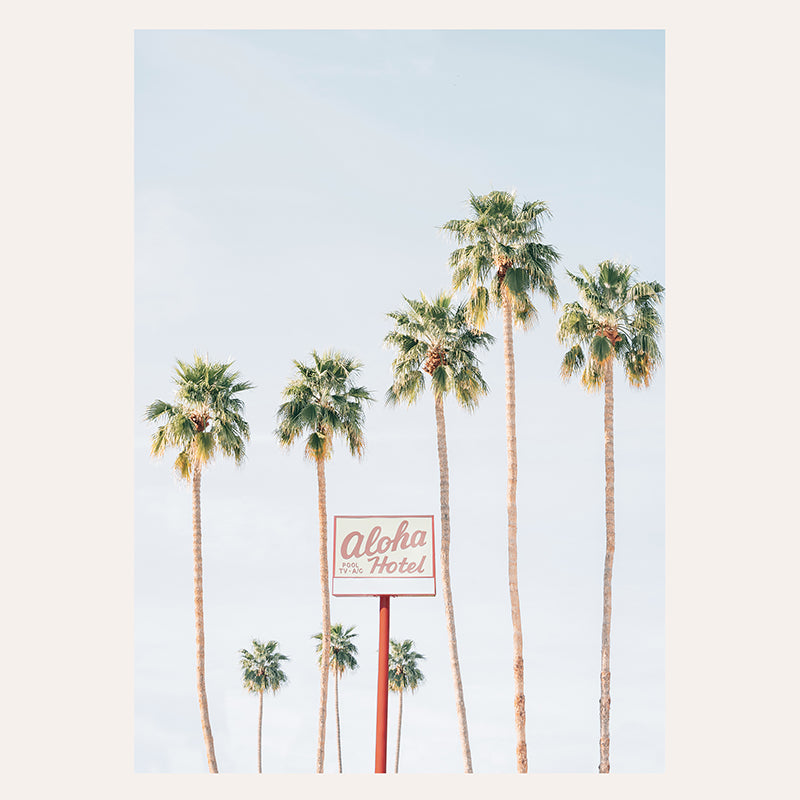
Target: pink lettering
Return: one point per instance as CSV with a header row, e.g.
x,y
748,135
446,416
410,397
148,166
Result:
x,y
372,540
418,542
356,551
354,545
405,566
401,537
380,567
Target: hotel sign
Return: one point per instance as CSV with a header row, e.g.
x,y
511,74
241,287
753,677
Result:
x,y
391,555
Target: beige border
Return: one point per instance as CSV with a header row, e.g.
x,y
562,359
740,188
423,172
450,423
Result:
x,y
67,333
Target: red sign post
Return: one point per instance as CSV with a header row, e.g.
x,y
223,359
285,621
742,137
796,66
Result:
x,y
383,556
382,725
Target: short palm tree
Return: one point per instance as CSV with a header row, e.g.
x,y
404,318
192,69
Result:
x,y
434,337
261,672
343,658
323,402
502,261
404,673
615,319
205,419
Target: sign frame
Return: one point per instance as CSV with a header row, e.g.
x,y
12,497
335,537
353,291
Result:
x,y
385,585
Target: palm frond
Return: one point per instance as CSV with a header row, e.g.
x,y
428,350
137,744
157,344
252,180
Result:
x,y
573,360
575,324
600,349
593,375
407,387
184,464
477,307
158,409
525,315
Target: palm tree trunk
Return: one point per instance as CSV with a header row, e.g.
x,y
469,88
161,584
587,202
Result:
x,y
511,502
260,715
605,657
198,620
338,729
399,723
444,496
326,614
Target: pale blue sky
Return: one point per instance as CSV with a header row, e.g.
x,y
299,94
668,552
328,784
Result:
x,y
289,186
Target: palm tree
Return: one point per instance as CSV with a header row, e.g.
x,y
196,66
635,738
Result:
x,y
205,418
615,319
502,261
403,674
343,657
261,671
434,337
323,402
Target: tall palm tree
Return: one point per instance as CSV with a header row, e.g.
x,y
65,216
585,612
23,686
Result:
x,y
323,402
261,672
433,337
343,657
206,418
615,319
403,674
503,261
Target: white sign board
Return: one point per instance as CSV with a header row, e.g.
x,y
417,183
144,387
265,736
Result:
x,y
390,555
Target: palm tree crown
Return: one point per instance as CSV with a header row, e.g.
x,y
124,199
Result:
x,y
343,648
205,417
261,668
404,673
434,337
502,247
323,401
614,318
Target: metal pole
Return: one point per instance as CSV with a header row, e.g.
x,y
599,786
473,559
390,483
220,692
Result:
x,y
383,686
